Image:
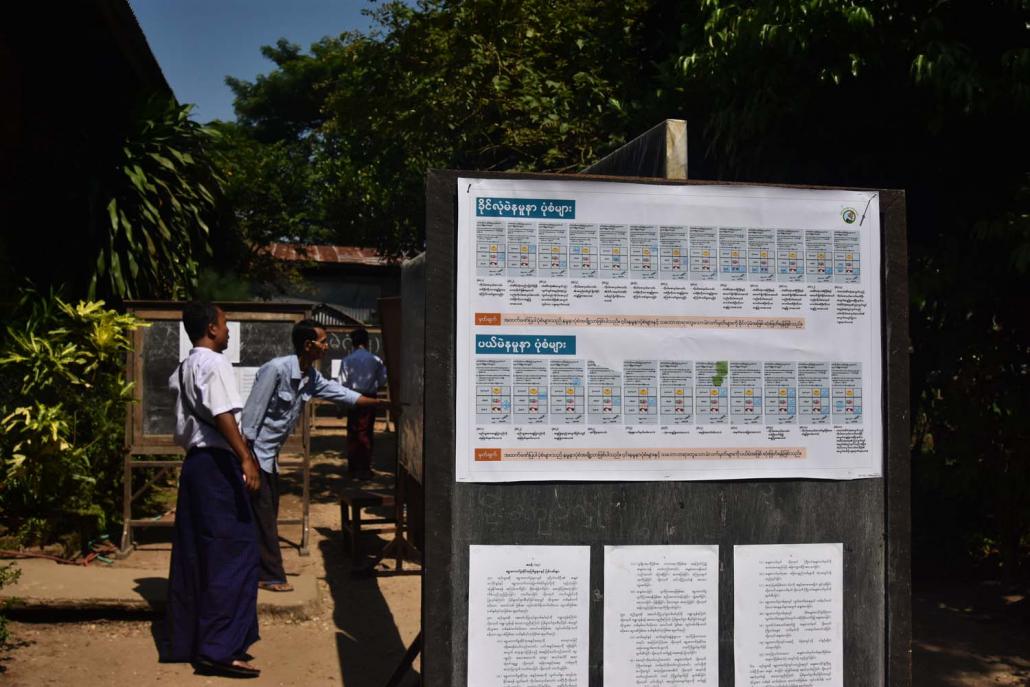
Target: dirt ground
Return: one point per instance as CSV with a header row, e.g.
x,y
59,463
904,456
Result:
x,y
357,638
970,635
964,635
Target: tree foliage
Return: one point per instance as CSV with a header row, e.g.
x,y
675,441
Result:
x,y
471,85
272,194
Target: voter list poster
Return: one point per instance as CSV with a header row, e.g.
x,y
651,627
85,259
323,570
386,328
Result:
x,y
611,331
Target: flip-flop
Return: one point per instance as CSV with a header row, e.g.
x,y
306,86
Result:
x,y
275,586
234,669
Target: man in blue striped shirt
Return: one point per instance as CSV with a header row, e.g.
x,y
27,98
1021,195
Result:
x,y
282,386
365,373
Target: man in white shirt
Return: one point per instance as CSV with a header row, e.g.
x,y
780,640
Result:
x,y
365,373
212,582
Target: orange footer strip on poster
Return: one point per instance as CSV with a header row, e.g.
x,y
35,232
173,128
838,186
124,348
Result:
x,y
483,455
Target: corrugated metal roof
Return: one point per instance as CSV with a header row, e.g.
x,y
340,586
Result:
x,y
337,316
340,255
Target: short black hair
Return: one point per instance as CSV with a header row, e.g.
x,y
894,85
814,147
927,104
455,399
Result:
x,y
359,337
196,316
303,332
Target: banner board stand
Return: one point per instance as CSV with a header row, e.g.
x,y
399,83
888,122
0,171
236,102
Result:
x,y
863,509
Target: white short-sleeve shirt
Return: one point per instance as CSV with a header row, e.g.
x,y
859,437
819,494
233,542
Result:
x,y
210,384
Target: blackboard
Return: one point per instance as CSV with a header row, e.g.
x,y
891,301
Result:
x,y
264,334
340,345
160,358
262,341
259,343
869,516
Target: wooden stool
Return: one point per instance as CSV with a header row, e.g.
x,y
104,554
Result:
x,y
351,503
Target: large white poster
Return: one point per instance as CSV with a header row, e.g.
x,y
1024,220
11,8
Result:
x,y
610,331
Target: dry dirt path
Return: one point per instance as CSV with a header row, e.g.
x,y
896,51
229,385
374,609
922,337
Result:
x,y
356,639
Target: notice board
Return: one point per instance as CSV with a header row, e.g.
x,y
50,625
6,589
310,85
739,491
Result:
x,y
630,363
258,332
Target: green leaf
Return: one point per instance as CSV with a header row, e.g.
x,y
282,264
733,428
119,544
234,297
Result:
x,y
163,161
127,226
116,274
112,213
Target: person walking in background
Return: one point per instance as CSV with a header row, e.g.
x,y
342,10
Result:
x,y
212,581
365,373
282,386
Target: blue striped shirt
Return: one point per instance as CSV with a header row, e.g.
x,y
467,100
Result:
x,y
277,400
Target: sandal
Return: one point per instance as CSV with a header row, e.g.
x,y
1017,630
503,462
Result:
x,y
235,669
275,586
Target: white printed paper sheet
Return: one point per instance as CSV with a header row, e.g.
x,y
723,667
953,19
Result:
x,y
788,603
232,352
245,377
610,331
661,616
529,616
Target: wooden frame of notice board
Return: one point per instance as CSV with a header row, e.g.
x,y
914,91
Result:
x,y
870,517
264,332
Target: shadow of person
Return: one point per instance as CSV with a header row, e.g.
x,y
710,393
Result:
x,y
154,590
368,644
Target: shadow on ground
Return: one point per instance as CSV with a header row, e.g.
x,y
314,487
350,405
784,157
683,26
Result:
x,y
153,590
366,633
368,644
970,635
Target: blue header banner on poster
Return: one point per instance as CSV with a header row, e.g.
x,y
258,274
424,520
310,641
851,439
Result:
x,y
503,344
533,208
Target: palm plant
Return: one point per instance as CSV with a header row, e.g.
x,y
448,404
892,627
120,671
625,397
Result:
x,y
154,226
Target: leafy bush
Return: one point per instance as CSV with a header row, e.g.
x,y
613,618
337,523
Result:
x,y
62,416
8,573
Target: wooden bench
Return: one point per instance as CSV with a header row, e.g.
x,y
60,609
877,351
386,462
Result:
x,y
352,501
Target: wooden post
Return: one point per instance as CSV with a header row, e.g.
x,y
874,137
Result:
x,y
306,481
660,153
125,546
